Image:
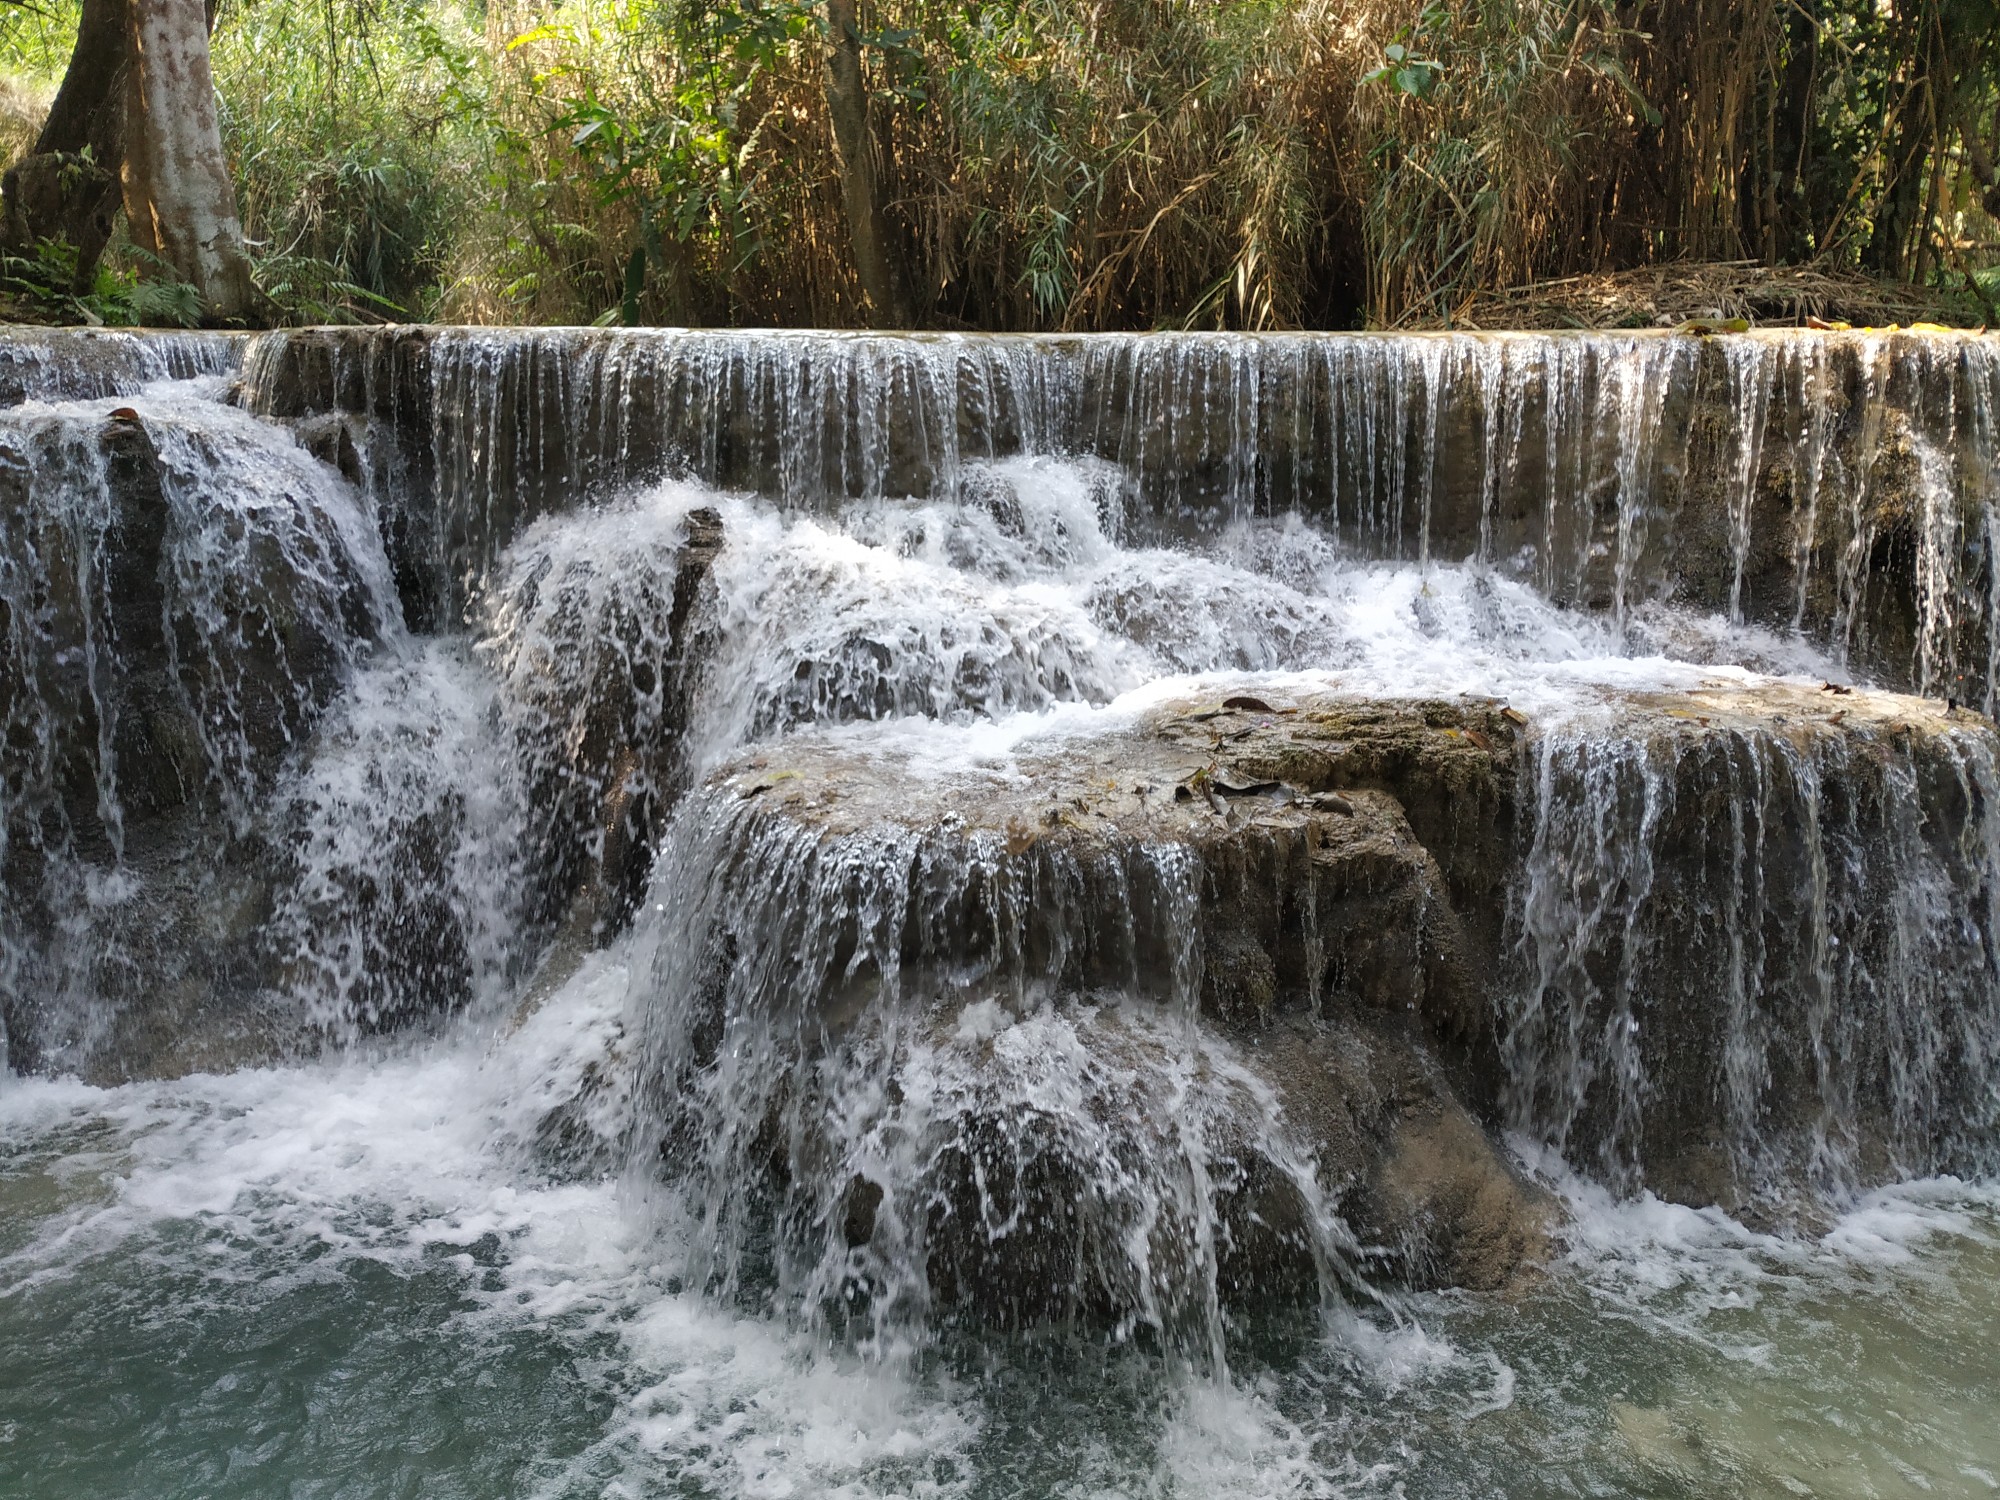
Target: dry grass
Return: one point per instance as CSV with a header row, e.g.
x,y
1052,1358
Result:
x,y
1114,164
1667,295
24,104
1135,163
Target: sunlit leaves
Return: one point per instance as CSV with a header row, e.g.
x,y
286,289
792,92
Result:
x,y
1404,71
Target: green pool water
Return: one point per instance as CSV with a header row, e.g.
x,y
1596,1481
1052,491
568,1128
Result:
x,y
347,1280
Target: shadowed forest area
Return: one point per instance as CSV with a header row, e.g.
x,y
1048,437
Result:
x,y
1076,164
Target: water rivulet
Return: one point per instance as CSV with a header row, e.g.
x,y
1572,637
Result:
x,y
989,860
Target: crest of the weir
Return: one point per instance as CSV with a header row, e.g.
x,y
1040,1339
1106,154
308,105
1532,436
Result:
x,y
1844,485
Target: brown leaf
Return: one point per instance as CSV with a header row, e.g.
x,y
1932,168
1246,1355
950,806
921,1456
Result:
x,y
1231,785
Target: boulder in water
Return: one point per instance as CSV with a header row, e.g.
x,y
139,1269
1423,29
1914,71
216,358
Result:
x,y
1347,943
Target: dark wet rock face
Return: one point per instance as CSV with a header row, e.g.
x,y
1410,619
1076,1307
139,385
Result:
x,y
598,639
244,811
1757,935
180,603
1433,1200
361,400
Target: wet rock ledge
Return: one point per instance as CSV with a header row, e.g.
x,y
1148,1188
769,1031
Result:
x,y
1425,923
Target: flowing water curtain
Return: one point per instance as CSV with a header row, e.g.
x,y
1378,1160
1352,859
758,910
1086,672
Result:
x,y
900,1078
1781,481
187,591
1793,1002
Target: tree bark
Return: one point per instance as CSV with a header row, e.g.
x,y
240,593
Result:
x,y
1979,159
179,201
1797,235
67,188
854,143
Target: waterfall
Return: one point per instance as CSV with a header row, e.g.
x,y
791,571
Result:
x,y
1105,831
184,591
79,364
1760,952
1756,475
857,1054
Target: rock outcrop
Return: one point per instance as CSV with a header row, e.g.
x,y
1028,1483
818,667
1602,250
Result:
x,y
1757,939
230,825
599,651
1382,932
1259,929
179,605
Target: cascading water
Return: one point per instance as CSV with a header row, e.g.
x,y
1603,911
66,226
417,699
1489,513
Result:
x,y
1758,477
184,591
1827,895
77,364
763,913
860,1060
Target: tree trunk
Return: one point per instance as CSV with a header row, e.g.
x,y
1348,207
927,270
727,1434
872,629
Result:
x,y
1979,159
179,201
1797,234
67,187
847,102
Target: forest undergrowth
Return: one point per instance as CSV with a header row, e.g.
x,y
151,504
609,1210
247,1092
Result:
x,y
1073,164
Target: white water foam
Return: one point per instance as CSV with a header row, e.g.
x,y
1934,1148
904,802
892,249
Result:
x,y
952,633
1003,616
413,1158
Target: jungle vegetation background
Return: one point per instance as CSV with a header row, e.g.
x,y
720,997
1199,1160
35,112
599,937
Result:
x,y
1063,164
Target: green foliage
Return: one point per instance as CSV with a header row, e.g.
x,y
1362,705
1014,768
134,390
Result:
x,y
35,39
359,136
656,109
1066,163
1468,162
1415,76
42,286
